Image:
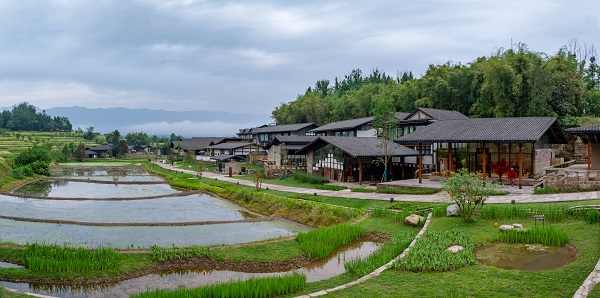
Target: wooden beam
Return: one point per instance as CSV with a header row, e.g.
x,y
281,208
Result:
x,y
520,166
484,165
420,164
450,163
360,170
589,143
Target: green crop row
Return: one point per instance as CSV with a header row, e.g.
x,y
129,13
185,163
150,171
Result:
x,y
251,288
430,252
54,258
178,253
544,235
383,255
319,243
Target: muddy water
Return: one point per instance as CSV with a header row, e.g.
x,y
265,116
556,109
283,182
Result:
x,y
71,189
320,270
10,265
194,208
529,257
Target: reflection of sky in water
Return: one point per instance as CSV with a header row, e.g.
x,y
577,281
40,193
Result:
x,y
321,270
122,237
193,208
530,257
107,174
70,189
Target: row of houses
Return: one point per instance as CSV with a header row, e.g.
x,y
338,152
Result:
x,y
425,140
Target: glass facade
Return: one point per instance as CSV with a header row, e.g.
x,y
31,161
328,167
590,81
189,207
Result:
x,y
470,155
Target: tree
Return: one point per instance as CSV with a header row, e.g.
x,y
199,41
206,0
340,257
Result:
x,y
89,133
122,149
384,122
468,192
80,152
115,140
137,138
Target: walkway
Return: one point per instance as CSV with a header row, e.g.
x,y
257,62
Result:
x,y
520,196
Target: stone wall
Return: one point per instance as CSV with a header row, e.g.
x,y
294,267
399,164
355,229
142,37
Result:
x,y
309,161
542,160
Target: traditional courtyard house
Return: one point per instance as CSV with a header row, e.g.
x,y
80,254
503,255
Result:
x,y
360,127
246,133
264,135
242,149
352,158
282,150
590,135
418,119
198,145
523,143
98,151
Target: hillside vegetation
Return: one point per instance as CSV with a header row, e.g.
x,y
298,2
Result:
x,y
509,83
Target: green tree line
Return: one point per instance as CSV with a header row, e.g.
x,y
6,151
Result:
x,y
509,83
24,117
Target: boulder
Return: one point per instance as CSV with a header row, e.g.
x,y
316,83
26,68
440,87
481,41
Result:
x,y
517,226
455,248
452,210
413,220
506,227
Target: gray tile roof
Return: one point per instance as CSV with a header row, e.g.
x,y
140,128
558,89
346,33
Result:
x,y
225,157
196,143
281,128
592,129
509,130
231,145
442,115
295,139
359,147
401,115
345,124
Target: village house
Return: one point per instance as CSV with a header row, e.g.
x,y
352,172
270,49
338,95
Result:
x,y
264,135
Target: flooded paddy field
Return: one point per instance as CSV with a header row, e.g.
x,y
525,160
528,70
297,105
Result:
x,y
75,189
315,271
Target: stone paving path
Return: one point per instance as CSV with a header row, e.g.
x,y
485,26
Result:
x,y
520,196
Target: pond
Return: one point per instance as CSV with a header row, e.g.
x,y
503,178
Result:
x,y
192,208
74,189
323,269
21,232
529,257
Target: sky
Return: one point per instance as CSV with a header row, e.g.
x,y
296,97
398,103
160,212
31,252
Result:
x,y
250,56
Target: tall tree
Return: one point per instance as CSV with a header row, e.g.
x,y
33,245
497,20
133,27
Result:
x,y
384,122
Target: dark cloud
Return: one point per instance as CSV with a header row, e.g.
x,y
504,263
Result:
x,y
249,56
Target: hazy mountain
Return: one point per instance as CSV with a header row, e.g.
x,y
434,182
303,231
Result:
x,y
159,122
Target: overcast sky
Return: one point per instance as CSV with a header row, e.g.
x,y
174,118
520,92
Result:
x,y
249,56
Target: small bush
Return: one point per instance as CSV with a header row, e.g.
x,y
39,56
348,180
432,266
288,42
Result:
x,y
309,178
544,191
407,191
21,172
330,187
361,189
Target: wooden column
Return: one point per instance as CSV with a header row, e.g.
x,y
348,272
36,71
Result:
x,y
450,163
420,164
484,164
402,159
589,153
360,171
520,166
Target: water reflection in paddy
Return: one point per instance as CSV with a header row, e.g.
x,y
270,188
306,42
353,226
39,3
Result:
x,y
320,270
193,208
106,173
71,189
122,237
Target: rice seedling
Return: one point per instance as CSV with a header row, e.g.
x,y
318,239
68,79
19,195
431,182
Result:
x,y
253,287
329,187
55,258
387,252
551,213
407,191
178,253
544,235
430,254
396,216
592,216
319,243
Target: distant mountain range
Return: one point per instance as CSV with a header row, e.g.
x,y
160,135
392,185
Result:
x,y
159,122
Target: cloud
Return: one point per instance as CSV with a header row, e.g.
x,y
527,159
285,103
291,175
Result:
x,y
190,128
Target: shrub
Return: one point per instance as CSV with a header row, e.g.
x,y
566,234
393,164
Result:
x,y
40,168
545,190
309,178
407,191
361,189
468,192
21,172
329,187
